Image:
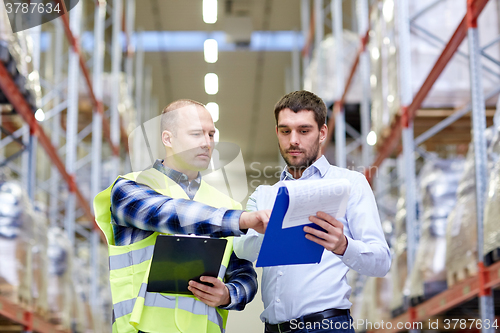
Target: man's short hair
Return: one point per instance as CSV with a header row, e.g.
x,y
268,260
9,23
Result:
x,y
169,118
302,100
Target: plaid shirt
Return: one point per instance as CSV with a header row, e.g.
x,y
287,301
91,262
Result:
x,y
137,211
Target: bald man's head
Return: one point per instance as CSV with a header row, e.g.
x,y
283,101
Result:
x,y
170,114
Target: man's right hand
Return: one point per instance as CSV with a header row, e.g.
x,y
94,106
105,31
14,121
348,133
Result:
x,y
255,220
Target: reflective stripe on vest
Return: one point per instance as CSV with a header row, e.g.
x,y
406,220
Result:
x,y
129,267
167,302
134,257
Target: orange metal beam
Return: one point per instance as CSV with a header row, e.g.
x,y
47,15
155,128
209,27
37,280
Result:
x,y
28,319
459,293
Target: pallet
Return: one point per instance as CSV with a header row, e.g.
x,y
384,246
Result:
x,y
464,272
13,294
492,257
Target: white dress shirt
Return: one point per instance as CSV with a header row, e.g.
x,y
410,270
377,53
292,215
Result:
x,y
293,291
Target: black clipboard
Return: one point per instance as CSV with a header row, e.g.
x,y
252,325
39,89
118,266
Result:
x,y
179,259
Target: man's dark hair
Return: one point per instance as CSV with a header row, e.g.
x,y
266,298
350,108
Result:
x,y
302,100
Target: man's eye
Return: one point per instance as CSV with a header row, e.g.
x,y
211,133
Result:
x,y
304,132
285,132
211,135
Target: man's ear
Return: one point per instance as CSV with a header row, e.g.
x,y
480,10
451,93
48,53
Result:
x,y
166,138
322,133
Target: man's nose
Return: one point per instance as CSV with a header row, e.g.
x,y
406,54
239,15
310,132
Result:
x,y
294,138
207,142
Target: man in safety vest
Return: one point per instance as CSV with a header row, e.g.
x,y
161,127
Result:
x,y
171,198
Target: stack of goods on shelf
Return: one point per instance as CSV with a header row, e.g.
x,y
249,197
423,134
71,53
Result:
x,y
324,83
16,50
439,180
40,260
461,233
384,61
399,270
492,209
82,313
60,287
126,103
356,282
430,30
16,233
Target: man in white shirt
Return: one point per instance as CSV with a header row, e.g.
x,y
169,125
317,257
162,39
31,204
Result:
x,y
315,297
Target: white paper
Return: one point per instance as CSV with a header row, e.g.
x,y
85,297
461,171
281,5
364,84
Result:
x,y
307,197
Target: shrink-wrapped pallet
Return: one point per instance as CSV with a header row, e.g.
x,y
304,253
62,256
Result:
x,y
324,83
60,288
439,180
430,29
40,260
16,233
492,209
461,233
399,270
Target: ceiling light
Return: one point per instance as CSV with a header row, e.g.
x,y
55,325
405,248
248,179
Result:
x,y
390,98
40,115
213,108
210,11
371,138
210,49
375,53
211,83
373,80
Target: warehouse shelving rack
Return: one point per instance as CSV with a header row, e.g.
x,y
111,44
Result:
x,y
112,129
487,278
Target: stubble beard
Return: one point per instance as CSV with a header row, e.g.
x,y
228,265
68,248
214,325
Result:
x,y
300,165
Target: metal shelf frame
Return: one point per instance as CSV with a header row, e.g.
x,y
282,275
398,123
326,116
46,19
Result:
x,y
34,133
402,129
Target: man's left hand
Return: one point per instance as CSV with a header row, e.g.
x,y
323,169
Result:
x,y
212,296
333,239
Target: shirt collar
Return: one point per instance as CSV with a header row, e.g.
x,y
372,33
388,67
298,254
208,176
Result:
x,y
175,175
321,165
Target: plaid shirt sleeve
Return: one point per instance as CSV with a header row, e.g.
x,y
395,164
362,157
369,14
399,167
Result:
x,y
241,281
137,211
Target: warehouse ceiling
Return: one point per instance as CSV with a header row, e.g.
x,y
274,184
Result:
x,y
250,82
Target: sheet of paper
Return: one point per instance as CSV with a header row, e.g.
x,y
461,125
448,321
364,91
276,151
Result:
x,y
307,197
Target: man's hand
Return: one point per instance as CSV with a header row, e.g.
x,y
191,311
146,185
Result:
x,y
212,296
255,220
333,239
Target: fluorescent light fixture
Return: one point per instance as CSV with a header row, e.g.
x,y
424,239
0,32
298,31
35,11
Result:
x,y
375,53
373,80
40,115
387,41
390,98
371,138
210,11
213,108
211,83
211,51
216,135
388,10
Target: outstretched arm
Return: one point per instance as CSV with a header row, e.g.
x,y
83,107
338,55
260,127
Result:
x,y
137,205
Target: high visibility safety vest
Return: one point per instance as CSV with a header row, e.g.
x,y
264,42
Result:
x,y
133,307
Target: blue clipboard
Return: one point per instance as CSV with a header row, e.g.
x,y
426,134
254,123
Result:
x,y
287,246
